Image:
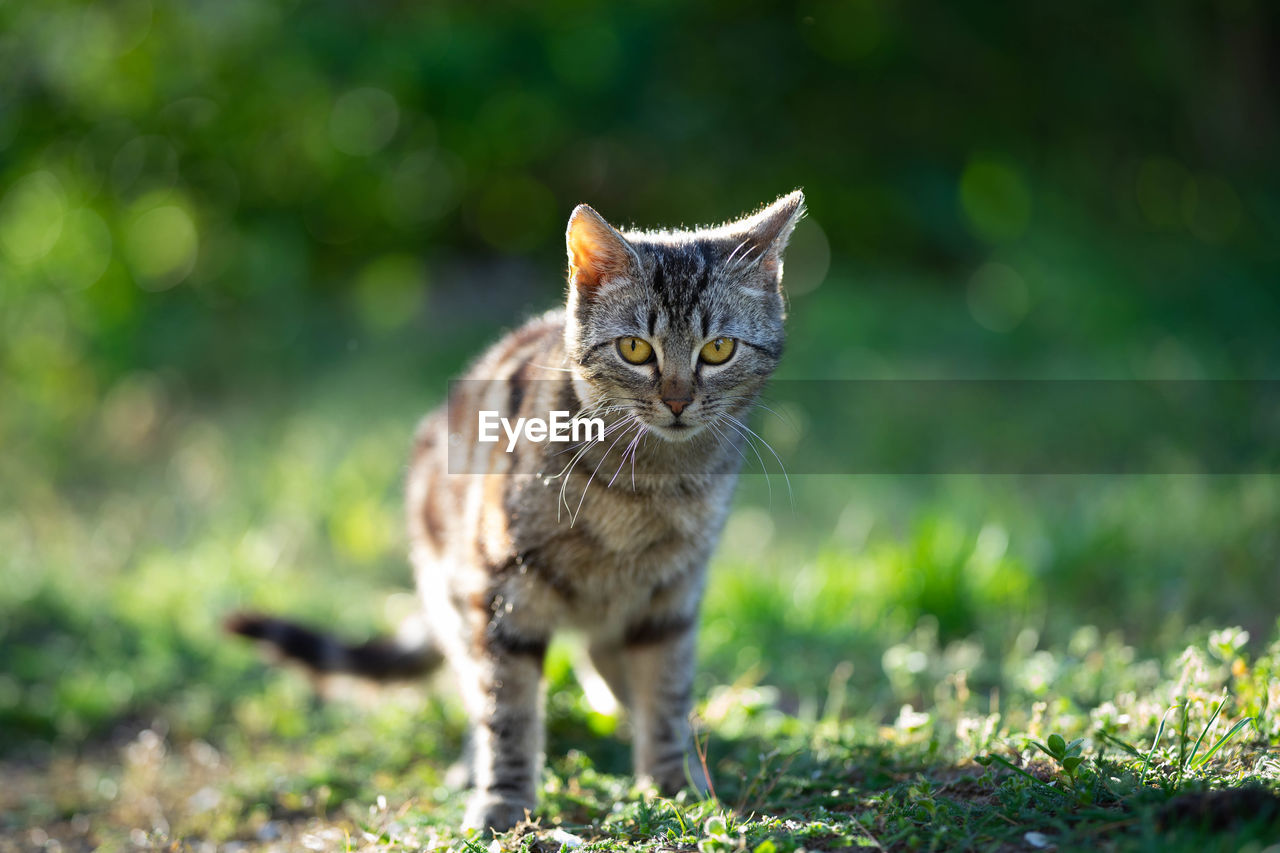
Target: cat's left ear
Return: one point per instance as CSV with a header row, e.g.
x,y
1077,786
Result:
x,y
764,235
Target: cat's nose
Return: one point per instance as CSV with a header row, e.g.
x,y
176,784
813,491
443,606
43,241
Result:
x,y
677,404
676,392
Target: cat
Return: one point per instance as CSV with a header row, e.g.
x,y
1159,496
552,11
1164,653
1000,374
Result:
x,y
667,338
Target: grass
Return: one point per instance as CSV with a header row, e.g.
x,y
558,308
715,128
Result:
x,y
353,775
942,663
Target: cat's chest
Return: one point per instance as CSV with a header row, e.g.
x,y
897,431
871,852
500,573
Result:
x,y
621,524
625,524
618,545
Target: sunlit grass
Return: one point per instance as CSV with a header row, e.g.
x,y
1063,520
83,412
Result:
x,y
953,662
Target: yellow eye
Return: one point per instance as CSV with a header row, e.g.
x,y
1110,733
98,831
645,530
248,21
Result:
x,y
718,351
635,350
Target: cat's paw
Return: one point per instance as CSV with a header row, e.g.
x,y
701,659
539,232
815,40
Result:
x,y
491,812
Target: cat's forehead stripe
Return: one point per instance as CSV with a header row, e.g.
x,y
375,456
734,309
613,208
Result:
x,y
681,276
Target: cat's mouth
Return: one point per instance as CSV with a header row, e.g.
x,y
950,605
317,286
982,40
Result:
x,y
677,430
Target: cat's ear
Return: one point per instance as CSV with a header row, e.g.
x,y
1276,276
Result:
x,y
762,237
596,251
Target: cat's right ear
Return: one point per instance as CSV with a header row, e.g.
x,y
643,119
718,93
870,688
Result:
x,y
596,251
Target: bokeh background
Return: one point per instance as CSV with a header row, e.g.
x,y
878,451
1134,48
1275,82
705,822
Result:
x,y
244,245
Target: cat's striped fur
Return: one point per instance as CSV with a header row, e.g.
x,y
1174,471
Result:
x,y
610,538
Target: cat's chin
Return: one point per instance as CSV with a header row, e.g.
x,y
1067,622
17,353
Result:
x,y
676,432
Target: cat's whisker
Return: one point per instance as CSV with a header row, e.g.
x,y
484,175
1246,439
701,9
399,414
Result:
x,y
644,435
755,400
630,448
567,471
623,461
580,448
608,404
724,439
588,442
573,518
768,481
616,426
568,474
634,454
737,423
720,438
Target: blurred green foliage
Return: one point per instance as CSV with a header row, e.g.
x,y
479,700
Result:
x,y
243,245
237,188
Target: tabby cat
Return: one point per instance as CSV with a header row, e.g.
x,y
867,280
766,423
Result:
x,y
666,338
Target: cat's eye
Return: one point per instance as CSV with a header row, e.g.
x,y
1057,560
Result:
x,y
717,351
635,350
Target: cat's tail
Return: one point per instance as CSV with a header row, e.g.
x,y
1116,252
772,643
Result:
x,y
379,659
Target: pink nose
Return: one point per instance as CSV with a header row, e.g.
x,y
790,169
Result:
x,y
677,406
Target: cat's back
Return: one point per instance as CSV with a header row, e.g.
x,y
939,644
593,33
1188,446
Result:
x,y
529,353
523,370
525,353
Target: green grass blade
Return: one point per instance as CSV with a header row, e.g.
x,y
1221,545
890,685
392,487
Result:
x,y
1222,741
1142,780
1223,701
1127,747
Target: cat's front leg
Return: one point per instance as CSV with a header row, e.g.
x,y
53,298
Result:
x,y
659,655
507,729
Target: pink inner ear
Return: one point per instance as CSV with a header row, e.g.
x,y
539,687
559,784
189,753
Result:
x,y
595,250
587,265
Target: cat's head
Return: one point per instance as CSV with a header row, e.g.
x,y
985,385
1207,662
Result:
x,y
679,329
